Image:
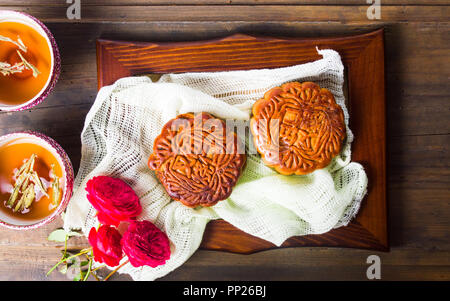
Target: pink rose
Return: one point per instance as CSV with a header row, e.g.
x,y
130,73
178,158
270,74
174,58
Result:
x,y
145,244
106,245
114,200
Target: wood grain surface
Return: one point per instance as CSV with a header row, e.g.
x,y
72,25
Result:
x,y
418,129
352,14
363,58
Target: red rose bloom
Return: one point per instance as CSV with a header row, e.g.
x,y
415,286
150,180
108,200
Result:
x,y
114,200
106,245
145,244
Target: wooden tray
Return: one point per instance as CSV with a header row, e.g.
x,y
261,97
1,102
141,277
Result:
x,y
363,57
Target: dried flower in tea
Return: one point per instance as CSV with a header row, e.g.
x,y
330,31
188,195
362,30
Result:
x,y
8,69
31,181
27,183
26,62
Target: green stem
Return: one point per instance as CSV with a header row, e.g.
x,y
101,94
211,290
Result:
x,y
89,270
84,251
115,270
93,272
65,246
98,268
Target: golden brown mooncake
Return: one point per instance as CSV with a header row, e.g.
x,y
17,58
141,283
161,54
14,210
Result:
x,y
297,128
197,159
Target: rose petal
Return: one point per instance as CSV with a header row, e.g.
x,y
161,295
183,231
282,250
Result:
x,y
106,245
145,244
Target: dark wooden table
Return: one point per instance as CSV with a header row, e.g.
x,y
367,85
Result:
x,y
417,39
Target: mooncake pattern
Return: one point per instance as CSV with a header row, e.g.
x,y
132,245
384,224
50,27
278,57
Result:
x,y
298,128
197,160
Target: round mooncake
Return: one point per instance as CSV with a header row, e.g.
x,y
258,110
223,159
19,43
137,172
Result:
x,y
297,128
197,159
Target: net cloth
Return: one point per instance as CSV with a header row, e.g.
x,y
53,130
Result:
x,y
127,116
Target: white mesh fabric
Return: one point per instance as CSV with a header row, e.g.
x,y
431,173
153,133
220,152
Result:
x,y
126,117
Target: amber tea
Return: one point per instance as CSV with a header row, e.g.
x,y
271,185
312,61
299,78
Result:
x,y
25,63
31,181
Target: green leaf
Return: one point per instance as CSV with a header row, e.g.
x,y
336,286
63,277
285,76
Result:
x,y
84,263
59,235
63,269
64,254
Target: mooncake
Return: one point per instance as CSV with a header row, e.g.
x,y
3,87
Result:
x,y
297,128
197,160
